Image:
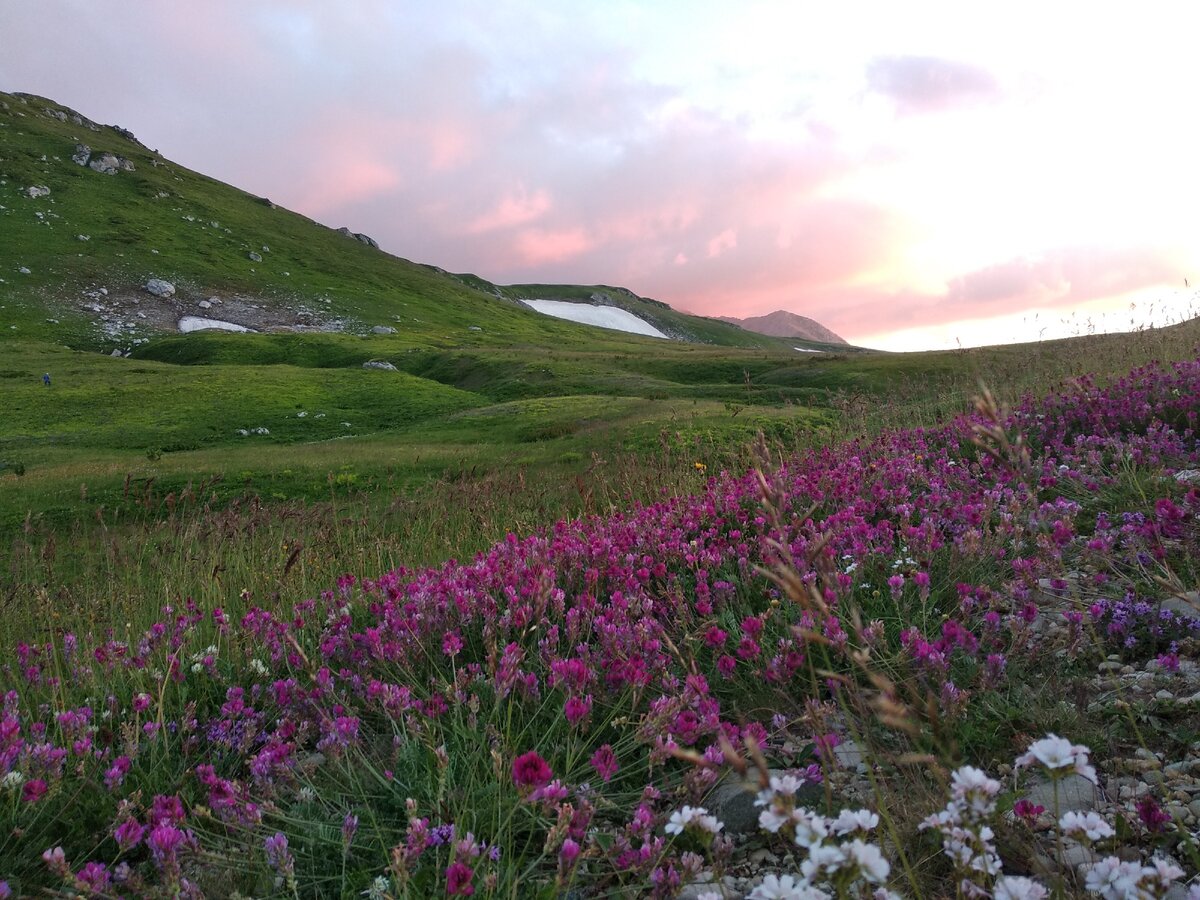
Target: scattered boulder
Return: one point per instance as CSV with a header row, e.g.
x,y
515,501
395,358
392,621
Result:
x,y
383,329
379,364
82,154
254,257
160,288
204,304
56,114
110,164
474,328
83,237
37,190
116,353
24,270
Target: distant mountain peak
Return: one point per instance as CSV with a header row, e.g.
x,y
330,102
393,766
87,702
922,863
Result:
x,y
782,323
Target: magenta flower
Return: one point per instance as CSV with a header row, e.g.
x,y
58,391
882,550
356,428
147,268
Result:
x,y
95,876
1027,811
458,880
34,790
116,773
1153,816
576,709
452,643
128,834
530,770
604,761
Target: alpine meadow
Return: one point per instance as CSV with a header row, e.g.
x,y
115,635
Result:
x,y
324,573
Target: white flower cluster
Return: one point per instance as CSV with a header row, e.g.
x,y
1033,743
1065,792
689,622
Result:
x,y
966,836
853,861
856,867
693,817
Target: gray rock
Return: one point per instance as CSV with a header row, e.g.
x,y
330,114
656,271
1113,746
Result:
x,y
254,257
160,288
116,353
1074,793
37,190
379,364
204,304
1186,604
383,329
24,271
850,755
110,164
474,328
82,154
83,237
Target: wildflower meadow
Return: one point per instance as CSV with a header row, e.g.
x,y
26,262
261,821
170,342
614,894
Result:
x,y
947,661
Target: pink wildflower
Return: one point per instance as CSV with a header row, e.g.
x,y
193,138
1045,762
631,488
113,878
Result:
x,y
530,770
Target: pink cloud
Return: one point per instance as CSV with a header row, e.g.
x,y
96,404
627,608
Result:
x,y
537,246
516,208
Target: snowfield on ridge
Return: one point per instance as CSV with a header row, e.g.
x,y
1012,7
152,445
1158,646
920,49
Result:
x,y
601,316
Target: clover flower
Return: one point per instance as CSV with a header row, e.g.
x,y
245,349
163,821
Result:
x,y
530,770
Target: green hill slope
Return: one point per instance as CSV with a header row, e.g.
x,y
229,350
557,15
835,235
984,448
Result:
x,y
88,215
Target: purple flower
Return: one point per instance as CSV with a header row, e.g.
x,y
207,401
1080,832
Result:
x,y
128,834
164,841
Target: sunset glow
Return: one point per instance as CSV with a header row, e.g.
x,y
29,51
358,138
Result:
x,y
912,176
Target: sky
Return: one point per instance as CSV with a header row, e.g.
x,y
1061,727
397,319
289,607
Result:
x,y
913,175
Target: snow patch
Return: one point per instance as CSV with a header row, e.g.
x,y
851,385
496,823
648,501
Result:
x,y
199,323
600,316
807,350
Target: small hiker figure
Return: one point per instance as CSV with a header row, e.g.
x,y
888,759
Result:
x,y
46,379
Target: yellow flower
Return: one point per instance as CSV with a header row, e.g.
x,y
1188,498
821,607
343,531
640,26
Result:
x,y
700,467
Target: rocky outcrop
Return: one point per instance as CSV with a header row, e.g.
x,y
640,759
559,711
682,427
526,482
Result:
x,y
81,155
358,236
37,190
